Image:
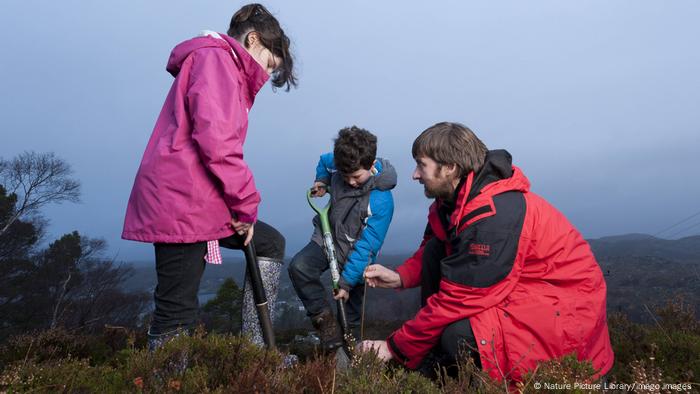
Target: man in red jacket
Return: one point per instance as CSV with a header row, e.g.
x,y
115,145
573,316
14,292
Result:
x,y
504,276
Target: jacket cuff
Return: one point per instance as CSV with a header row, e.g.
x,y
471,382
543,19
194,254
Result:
x,y
325,180
394,346
246,218
395,351
406,278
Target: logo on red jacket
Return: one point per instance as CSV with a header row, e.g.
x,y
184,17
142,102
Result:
x,y
480,249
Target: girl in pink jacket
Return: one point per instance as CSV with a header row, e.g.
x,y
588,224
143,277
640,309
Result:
x,y
193,190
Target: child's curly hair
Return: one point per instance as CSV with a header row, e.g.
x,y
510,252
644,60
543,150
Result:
x,y
355,148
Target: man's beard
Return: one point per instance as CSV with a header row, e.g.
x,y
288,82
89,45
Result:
x,y
441,189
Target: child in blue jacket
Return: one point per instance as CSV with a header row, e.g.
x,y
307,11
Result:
x,y
361,210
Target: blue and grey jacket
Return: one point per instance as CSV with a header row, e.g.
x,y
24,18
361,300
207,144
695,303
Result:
x,y
359,217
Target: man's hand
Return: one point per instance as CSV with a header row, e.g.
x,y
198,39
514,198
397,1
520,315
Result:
x,y
341,294
379,276
380,347
242,228
319,189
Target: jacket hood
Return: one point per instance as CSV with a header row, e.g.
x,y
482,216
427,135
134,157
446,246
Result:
x,y
386,178
499,175
498,165
254,75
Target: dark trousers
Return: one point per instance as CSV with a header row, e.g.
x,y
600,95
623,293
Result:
x,y
305,272
180,268
457,340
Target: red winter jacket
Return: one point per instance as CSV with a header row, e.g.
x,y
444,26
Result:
x,y
521,273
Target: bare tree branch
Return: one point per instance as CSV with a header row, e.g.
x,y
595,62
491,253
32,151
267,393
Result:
x,y
54,319
37,179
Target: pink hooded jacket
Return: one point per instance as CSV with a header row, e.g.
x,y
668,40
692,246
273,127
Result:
x,y
192,177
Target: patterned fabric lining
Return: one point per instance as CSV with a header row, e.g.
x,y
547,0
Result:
x,y
213,255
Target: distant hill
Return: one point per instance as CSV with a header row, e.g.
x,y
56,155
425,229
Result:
x,y
642,271
641,245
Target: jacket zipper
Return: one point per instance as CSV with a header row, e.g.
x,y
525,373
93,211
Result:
x,y
345,218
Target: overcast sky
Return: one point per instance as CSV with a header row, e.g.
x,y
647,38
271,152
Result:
x,y
597,101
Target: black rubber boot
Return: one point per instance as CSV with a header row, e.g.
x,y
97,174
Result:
x,y
328,330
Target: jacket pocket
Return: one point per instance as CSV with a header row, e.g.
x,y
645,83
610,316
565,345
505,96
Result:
x,y
539,327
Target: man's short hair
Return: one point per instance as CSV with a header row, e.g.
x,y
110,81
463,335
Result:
x,y
451,143
355,148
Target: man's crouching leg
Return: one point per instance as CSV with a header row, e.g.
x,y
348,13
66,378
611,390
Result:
x,y
459,344
457,347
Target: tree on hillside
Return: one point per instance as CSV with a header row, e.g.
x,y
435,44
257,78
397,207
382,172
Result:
x,y
223,313
16,245
32,180
65,266
68,285
22,235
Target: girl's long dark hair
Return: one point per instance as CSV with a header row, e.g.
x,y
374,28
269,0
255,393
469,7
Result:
x,y
255,17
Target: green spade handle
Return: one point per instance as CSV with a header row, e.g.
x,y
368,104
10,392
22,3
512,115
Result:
x,y
322,213
329,247
328,244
